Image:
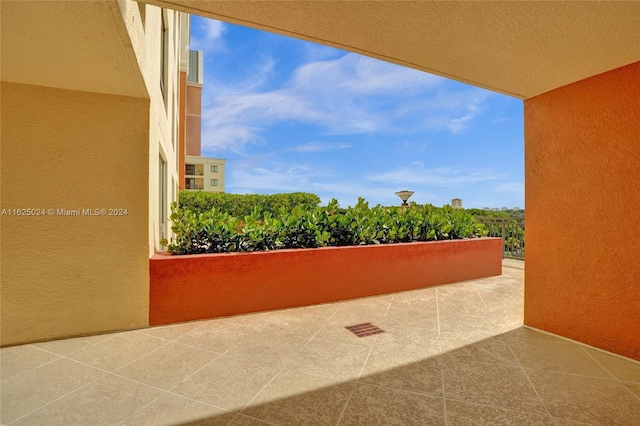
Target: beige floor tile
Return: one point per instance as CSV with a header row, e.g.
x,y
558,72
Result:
x,y
338,333
19,359
118,351
69,346
623,369
171,332
399,370
106,401
405,316
466,322
366,303
270,347
490,350
29,391
633,387
491,384
296,398
464,292
422,298
416,341
167,366
358,315
463,414
246,323
172,409
228,382
524,334
371,406
565,357
294,324
218,338
248,421
328,358
586,399
451,340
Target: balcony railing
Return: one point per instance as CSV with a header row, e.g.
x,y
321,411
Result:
x,y
194,172
194,187
511,230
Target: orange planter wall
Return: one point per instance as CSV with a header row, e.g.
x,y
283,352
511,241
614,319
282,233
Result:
x,y
193,287
582,171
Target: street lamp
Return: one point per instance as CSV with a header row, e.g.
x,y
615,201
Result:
x,y
404,196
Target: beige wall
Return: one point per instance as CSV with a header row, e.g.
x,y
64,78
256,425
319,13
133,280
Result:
x,y
87,149
70,275
164,109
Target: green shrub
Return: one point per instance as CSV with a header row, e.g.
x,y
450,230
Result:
x,y
240,205
305,226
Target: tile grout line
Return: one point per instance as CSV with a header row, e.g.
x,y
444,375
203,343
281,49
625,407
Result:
x,y
529,381
279,371
32,345
444,394
355,386
438,314
57,399
515,410
481,299
170,390
610,373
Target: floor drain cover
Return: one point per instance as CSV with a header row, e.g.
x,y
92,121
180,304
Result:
x,y
364,329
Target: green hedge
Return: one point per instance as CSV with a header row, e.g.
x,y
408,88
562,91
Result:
x,y
304,226
240,205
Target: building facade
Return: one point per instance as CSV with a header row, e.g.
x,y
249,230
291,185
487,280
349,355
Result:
x,y
204,174
197,173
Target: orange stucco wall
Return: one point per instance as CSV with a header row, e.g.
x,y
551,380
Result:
x,y
194,120
582,171
193,287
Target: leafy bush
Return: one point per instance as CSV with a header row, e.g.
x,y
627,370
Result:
x,y
240,205
304,226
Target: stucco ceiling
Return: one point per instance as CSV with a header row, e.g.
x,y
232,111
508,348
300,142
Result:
x,y
521,48
79,45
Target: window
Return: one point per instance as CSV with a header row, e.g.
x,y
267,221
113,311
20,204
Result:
x,y
190,169
214,169
162,196
214,182
164,55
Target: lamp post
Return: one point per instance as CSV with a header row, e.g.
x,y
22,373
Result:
x,y
404,196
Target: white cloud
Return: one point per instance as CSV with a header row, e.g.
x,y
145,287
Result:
x,y
211,35
352,94
514,187
320,146
416,174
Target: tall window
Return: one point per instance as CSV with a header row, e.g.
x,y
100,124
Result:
x,y
164,54
162,196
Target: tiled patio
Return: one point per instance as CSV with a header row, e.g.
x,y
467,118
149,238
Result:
x,y
454,355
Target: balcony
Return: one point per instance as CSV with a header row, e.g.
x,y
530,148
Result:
x,y
457,351
194,171
194,187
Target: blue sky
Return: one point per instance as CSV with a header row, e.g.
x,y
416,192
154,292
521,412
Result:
x,y
290,115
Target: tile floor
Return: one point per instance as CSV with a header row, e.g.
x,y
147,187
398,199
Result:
x,y
450,355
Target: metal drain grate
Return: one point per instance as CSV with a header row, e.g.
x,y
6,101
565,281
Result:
x,y
364,329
